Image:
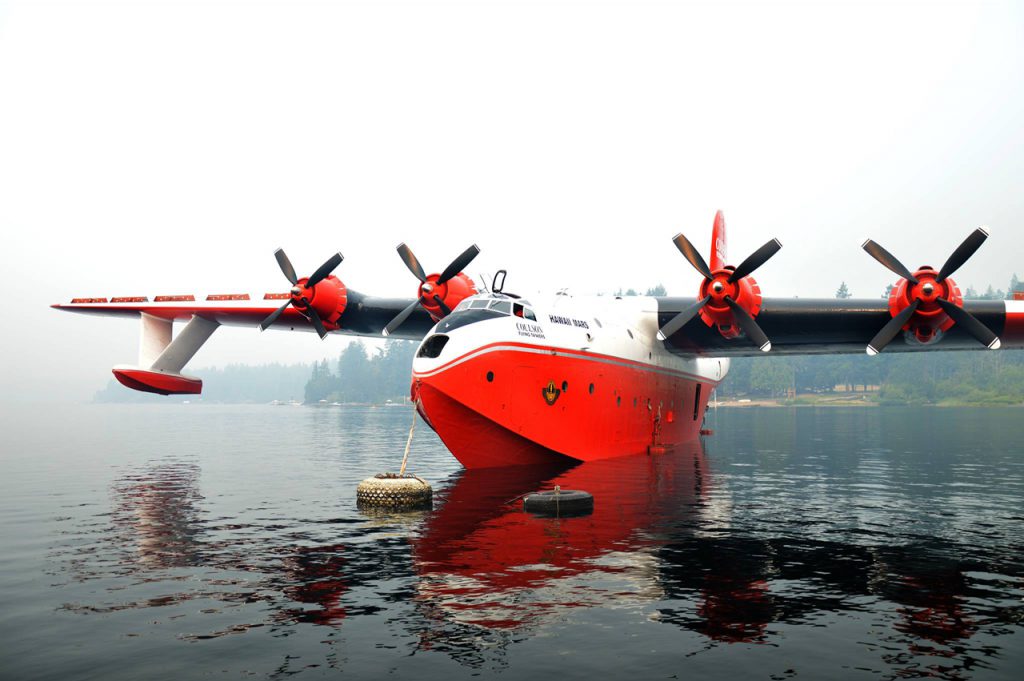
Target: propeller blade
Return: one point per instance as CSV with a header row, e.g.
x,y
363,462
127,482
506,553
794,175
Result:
x,y
970,323
962,253
325,269
286,266
405,253
755,260
889,260
692,255
749,326
440,303
317,323
889,331
401,317
681,319
273,316
460,263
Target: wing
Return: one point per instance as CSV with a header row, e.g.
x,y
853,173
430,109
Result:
x,y
799,326
163,355
363,315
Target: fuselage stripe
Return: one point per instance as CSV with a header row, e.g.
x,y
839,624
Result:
x,y
562,352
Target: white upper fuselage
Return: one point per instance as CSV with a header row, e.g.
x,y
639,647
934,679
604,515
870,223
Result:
x,y
612,326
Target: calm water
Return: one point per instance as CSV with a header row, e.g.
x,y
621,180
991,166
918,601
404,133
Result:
x,y
184,541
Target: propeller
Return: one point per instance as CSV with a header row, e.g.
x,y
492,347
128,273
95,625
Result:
x,y
433,289
927,293
724,292
303,291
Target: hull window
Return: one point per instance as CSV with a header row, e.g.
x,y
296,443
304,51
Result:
x,y
433,346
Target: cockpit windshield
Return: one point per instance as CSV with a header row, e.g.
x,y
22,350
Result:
x,y
500,304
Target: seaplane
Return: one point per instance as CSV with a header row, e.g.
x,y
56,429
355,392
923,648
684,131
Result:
x,y
504,380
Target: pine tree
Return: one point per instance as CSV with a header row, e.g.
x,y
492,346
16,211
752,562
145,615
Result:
x,y
843,291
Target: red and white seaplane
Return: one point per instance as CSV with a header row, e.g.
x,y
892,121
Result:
x,y
504,380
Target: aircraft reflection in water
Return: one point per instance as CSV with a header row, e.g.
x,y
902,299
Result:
x,y
477,574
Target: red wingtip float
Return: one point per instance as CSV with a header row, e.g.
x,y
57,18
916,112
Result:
x,y
504,380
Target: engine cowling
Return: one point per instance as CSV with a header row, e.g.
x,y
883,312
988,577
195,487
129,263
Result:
x,y
929,321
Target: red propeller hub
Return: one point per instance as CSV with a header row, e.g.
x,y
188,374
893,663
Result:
x,y
451,292
717,312
929,316
329,298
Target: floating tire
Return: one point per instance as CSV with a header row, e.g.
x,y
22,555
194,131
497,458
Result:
x,y
391,492
559,503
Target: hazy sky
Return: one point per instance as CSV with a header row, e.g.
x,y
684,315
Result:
x,y
161,148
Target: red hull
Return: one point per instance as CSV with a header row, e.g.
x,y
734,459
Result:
x,y
512,404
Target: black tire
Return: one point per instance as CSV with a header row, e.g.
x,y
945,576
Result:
x,y
559,503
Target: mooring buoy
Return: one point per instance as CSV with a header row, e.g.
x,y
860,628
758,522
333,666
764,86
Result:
x,y
399,491
559,502
394,491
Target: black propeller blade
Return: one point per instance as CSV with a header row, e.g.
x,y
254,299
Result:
x,y
755,260
964,251
888,260
460,263
402,316
749,326
692,255
273,316
321,273
286,266
970,323
406,254
324,270
680,320
892,327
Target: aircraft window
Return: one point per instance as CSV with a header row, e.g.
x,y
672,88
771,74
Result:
x,y
464,305
520,310
478,304
503,306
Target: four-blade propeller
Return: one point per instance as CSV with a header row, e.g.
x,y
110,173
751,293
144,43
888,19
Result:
x,y
722,291
432,288
928,290
303,290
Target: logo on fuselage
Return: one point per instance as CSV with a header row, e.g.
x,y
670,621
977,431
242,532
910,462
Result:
x,y
550,393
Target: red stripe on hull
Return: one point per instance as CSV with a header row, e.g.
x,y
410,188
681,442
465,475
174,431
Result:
x,y
509,406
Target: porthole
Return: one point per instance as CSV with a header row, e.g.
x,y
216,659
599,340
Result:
x,y
618,401
591,388
490,376
565,386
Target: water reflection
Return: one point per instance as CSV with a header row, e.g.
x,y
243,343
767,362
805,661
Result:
x,y
477,575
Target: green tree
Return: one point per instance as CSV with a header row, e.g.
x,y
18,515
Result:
x,y
843,292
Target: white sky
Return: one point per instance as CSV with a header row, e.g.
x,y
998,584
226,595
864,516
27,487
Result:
x,y
162,148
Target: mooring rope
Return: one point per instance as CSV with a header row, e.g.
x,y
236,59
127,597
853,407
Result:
x,y
409,443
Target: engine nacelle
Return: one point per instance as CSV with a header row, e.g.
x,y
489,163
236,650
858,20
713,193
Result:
x,y
929,321
717,313
451,293
329,297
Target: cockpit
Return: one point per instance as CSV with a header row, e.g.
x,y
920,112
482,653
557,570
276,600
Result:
x,y
500,304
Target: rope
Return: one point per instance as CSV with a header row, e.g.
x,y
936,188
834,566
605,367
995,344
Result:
x,y
409,443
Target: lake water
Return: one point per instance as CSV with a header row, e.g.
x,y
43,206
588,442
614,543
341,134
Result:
x,y
187,541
